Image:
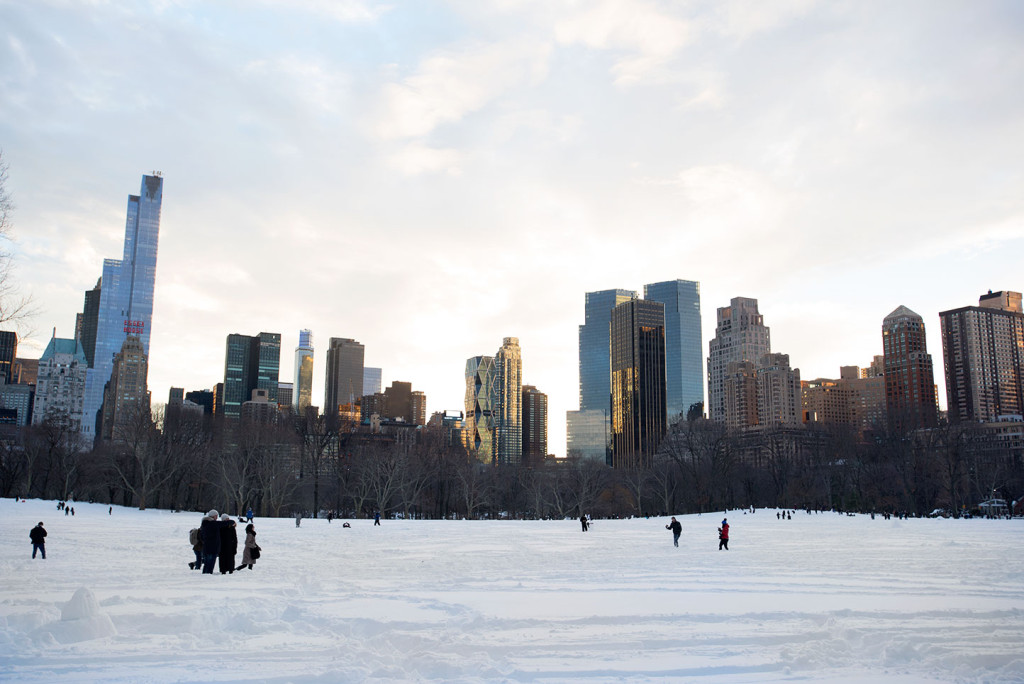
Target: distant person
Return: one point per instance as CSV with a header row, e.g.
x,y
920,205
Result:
x,y
677,530
248,514
66,511
72,511
298,519
376,518
209,533
252,550
330,516
584,523
197,547
228,544
110,511
723,535
38,537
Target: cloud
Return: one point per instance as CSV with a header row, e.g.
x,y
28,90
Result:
x,y
414,159
345,11
449,84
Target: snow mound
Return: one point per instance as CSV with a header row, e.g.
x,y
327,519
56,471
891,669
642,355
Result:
x,y
80,620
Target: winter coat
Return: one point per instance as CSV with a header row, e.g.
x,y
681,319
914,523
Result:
x,y
675,527
723,531
209,534
228,539
250,544
37,535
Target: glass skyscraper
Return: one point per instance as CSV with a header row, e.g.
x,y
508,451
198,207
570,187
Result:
x,y
344,381
302,394
126,295
478,428
250,363
684,346
637,382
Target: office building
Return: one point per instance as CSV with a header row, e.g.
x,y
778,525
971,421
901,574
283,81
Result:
x,y
508,409
638,415
372,380
478,425
302,394
740,335
344,381
535,426
684,345
85,327
126,296
983,351
126,397
909,380
418,401
201,398
8,354
398,401
588,434
285,390
250,363
60,384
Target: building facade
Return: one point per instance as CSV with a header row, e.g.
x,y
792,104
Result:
x,y
778,392
535,426
508,408
250,363
909,379
740,335
61,383
126,398
684,345
302,388
126,296
343,384
638,415
983,351
478,425
373,380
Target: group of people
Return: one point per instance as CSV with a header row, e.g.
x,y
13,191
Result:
x,y
723,533
216,539
63,506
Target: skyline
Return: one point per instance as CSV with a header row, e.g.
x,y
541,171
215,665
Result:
x,y
832,162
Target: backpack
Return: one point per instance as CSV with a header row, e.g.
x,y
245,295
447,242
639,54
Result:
x,y
193,536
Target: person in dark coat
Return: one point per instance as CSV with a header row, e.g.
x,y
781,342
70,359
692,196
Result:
x,y
583,522
723,535
38,537
677,530
252,549
228,544
209,533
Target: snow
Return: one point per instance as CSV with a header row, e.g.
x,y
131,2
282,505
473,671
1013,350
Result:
x,y
819,598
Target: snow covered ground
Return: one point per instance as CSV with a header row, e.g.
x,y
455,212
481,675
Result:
x,y
819,598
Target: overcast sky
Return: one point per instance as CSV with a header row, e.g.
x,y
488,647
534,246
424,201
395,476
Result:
x,y
430,177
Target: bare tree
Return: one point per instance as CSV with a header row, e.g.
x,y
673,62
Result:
x,y
14,306
140,457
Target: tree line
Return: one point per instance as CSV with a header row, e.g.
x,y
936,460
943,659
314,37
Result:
x,y
312,464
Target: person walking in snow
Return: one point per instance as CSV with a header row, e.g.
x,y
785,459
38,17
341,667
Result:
x,y
252,550
248,515
723,535
376,517
209,534
583,522
228,544
677,530
38,537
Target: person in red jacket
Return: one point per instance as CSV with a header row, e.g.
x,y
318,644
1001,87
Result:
x,y
723,535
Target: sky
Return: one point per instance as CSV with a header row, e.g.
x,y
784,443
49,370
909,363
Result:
x,y
429,178
825,598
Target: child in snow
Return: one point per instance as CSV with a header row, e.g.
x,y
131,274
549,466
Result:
x,y
723,535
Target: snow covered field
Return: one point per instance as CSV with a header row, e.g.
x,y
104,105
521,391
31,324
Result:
x,y
819,598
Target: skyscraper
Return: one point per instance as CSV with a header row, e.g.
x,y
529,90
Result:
x,y
589,428
250,362
60,384
372,380
684,345
8,352
778,392
535,426
740,335
508,416
86,331
344,381
637,382
126,295
909,380
478,426
126,396
983,349
302,390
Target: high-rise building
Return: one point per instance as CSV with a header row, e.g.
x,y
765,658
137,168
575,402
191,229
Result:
x,y
398,401
854,399
740,335
250,362
372,380
591,440
344,381
778,392
639,420
983,350
285,392
88,320
126,396
535,426
684,345
739,386
418,400
909,380
8,353
508,415
18,398
302,394
60,384
478,426
126,296
202,398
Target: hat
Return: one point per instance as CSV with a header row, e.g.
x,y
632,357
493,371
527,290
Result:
x,y
40,523
212,514
723,520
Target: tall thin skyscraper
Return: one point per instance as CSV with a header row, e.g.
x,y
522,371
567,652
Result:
x,y
126,397
741,335
302,390
86,332
983,348
250,363
478,426
8,352
508,419
535,426
126,295
344,381
637,382
684,346
909,380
